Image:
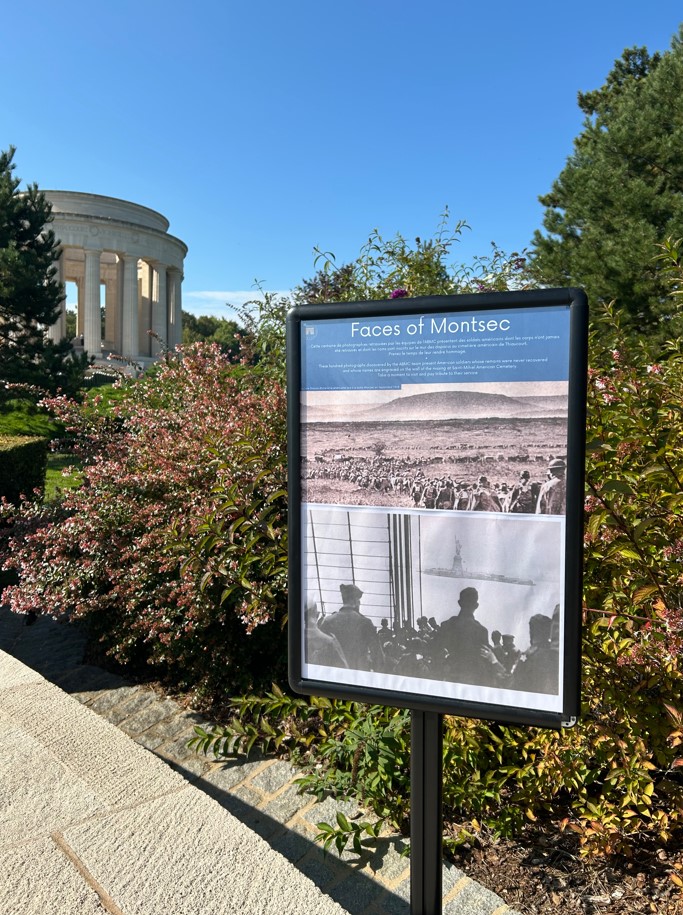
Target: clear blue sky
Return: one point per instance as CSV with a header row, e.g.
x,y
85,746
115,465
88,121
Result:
x,y
263,129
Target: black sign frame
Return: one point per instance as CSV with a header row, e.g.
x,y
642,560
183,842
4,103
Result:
x,y
488,313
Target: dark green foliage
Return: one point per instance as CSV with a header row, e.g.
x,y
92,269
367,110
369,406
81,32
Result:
x,y
70,324
208,329
385,266
30,294
63,371
620,194
23,462
332,285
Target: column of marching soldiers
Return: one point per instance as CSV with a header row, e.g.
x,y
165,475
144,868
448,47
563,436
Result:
x,y
421,491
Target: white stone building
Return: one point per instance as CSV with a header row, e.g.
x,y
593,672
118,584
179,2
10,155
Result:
x,y
126,248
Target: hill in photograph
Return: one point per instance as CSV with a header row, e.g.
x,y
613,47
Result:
x,y
440,405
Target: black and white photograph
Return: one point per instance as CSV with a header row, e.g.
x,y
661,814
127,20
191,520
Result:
x,y
462,605
486,447
436,448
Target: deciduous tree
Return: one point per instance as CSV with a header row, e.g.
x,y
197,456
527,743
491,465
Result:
x,y
209,329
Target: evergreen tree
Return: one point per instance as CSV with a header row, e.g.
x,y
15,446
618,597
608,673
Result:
x,y
30,294
619,195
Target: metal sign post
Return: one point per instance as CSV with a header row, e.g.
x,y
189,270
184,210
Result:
x,y
426,812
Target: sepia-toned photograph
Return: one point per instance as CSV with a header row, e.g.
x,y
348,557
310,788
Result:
x,y
487,447
471,604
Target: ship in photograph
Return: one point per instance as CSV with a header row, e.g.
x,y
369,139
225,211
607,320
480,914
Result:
x,y
458,570
381,602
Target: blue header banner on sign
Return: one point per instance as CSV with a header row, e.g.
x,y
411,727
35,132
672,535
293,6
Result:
x,y
383,353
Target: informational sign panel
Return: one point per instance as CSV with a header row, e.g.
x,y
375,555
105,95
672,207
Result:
x,y
436,450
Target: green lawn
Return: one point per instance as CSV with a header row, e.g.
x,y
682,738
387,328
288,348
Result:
x,y
21,418
55,481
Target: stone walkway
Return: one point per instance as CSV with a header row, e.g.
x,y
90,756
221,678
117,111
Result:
x,y
259,792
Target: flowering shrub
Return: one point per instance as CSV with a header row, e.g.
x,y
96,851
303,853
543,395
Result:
x,y
617,776
634,530
195,436
393,269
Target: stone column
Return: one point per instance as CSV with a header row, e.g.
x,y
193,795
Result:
x,y
159,309
144,308
118,328
175,319
80,307
109,313
58,330
129,331
92,317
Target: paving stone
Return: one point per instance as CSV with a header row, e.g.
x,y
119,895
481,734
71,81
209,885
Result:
x,y
450,876
109,699
292,844
178,750
356,893
149,741
358,861
285,805
274,777
323,869
247,796
86,677
326,811
170,706
53,666
149,715
56,650
262,825
171,729
391,904
137,701
239,805
403,889
191,769
387,861
85,698
226,776
174,726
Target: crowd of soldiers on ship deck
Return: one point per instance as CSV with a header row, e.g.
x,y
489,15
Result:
x,y
457,650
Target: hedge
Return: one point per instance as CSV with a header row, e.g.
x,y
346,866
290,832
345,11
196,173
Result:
x,y
23,464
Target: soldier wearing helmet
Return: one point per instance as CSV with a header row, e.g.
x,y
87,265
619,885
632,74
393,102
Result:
x,y
552,498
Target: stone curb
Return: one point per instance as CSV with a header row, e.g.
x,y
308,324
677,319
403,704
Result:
x,y
260,792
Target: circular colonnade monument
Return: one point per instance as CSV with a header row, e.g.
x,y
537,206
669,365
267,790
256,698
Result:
x,y
126,248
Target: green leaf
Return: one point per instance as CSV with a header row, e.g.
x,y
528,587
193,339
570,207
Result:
x,y
617,486
343,822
